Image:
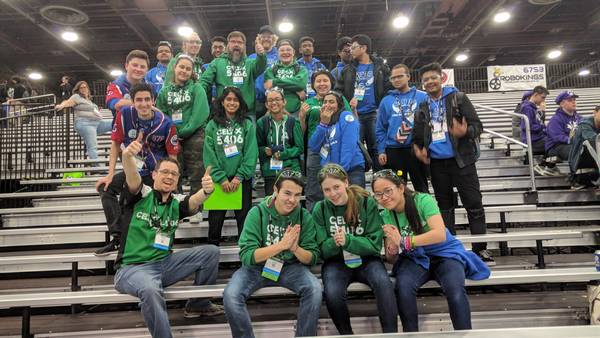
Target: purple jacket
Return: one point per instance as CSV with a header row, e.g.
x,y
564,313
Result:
x,y
536,122
561,128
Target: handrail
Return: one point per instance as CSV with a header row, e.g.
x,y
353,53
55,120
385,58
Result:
x,y
527,135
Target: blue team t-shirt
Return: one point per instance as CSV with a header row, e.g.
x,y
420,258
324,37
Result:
x,y
365,80
440,149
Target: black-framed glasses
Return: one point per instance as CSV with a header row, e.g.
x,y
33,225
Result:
x,y
387,192
166,172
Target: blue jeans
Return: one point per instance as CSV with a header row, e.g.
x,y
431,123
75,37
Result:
x,y
294,276
89,131
449,273
147,282
313,190
336,278
357,176
367,134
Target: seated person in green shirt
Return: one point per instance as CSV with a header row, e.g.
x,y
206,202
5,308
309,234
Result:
x,y
279,137
276,247
349,234
423,249
146,263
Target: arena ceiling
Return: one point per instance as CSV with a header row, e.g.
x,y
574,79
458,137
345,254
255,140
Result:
x,y
438,30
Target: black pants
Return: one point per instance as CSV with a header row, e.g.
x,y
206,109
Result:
x,y
561,150
445,174
111,204
269,184
216,218
404,159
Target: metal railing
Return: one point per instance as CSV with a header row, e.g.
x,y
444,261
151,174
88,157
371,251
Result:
x,y
34,137
512,140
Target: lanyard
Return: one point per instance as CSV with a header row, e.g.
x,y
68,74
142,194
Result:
x,y
156,219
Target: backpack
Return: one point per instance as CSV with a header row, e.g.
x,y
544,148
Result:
x,y
289,129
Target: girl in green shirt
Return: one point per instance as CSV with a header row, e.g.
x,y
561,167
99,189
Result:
x,y
349,234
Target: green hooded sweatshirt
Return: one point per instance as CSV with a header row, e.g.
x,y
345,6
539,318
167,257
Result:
x,y
222,72
242,165
189,100
363,240
169,73
291,82
313,115
277,136
258,232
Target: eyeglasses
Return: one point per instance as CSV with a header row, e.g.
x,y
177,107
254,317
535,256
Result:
x,y
278,99
387,192
194,42
430,78
166,172
353,47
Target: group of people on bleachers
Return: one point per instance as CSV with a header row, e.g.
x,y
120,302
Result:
x,y
316,133
567,137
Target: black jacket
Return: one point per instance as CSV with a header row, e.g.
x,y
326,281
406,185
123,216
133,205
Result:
x,y
381,73
466,149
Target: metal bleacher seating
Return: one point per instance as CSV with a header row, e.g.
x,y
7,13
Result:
x,y
542,235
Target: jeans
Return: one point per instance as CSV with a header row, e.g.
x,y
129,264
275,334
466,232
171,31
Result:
x,y
89,131
216,218
445,174
336,278
560,150
147,282
191,160
111,204
312,189
405,160
356,176
294,276
449,273
367,135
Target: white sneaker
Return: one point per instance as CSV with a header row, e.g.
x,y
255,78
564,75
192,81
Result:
x,y
539,169
197,218
552,171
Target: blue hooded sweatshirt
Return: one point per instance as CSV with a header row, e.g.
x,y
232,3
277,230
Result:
x,y
441,149
314,66
339,143
156,77
536,122
259,83
396,117
561,128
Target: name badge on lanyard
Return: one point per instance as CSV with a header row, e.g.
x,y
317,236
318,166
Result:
x,y
276,164
162,240
351,260
177,117
309,89
231,150
439,128
272,269
238,80
359,92
324,152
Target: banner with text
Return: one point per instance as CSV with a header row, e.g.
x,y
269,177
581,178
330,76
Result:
x,y
520,77
448,77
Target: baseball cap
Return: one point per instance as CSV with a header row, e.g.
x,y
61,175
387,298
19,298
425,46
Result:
x,y
266,28
565,95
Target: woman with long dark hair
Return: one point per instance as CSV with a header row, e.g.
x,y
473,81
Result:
x,y
231,150
422,249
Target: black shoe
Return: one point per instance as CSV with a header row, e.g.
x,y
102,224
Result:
x,y
486,257
111,247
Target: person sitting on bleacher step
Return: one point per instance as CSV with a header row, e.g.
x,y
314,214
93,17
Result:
x,y
276,247
146,263
561,127
422,249
159,140
447,128
534,108
584,152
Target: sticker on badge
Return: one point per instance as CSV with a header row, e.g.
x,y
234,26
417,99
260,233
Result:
x,y
351,260
276,164
349,118
132,133
231,150
162,241
272,269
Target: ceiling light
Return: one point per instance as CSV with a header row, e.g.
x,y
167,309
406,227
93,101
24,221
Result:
x,y
401,21
116,72
35,76
462,57
554,54
70,36
285,26
502,16
584,72
185,31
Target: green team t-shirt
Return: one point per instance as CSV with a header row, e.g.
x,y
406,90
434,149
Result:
x,y
426,207
139,211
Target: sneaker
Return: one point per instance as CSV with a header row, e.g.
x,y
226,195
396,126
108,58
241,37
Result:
x,y
197,218
577,186
111,247
539,169
210,311
486,257
554,171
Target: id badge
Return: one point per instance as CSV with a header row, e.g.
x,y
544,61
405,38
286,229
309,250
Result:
x,y
162,241
438,134
139,163
351,260
276,164
177,118
272,269
359,93
324,152
231,150
238,80
310,90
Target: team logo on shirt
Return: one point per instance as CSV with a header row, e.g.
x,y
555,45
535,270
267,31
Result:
x,y
174,140
349,118
339,221
132,133
285,73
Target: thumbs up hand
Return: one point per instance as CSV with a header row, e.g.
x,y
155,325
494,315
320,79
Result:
x,y
207,182
135,146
